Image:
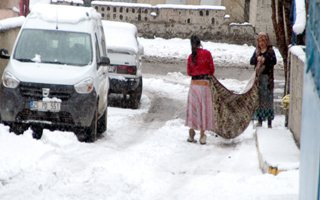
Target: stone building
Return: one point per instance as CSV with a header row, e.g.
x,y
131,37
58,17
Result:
x,y
9,8
168,21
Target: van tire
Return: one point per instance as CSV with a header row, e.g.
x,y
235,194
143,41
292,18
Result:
x,y
102,123
91,131
18,128
88,134
135,97
37,132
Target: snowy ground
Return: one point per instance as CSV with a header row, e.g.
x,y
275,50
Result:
x,y
143,155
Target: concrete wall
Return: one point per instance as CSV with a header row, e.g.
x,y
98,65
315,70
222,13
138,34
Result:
x,y
235,9
260,18
7,39
6,8
152,2
9,4
170,22
297,68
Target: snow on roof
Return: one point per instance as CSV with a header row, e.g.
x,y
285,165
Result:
x,y
12,22
63,13
299,52
173,6
300,22
194,7
69,1
120,4
120,36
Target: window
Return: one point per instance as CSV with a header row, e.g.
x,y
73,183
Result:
x,y
52,47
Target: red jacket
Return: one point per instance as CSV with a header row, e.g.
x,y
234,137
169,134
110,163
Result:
x,y
203,65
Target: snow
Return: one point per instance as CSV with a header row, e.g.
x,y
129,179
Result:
x,y
173,6
300,23
134,161
120,36
299,52
238,55
34,2
52,13
278,148
137,5
12,22
144,155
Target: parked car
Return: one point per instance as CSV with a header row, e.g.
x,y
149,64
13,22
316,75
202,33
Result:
x,y
124,51
56,77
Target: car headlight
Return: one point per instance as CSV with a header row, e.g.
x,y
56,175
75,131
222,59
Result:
x,y
85,86
9,80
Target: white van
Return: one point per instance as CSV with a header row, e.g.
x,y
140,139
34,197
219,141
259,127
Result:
x,y
124,51
56,77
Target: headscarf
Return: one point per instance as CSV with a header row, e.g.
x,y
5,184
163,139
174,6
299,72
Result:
x,y
265,36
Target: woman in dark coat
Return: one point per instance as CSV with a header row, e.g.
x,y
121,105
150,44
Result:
x,y
265,55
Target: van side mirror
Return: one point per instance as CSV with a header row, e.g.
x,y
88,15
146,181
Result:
x,y
104,61
4,54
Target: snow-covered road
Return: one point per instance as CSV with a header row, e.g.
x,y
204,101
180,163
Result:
x,y
143,156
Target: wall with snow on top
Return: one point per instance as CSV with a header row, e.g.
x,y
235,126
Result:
x,y
171,21
297,58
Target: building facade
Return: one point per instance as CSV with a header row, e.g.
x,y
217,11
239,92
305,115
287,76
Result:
x,y
310,127
167,21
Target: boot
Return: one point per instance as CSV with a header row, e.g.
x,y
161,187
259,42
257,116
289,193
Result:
x,y
259,123
192,133
269,123
203,139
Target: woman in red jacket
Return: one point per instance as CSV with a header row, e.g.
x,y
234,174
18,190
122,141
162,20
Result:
x,y
199,108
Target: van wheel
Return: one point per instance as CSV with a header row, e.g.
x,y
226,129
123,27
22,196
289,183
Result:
x,y
36,132
18,128
89,134
102,123
135,97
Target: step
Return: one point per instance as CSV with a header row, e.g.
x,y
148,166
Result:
x,y
277,150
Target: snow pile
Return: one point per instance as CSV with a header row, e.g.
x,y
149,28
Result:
x,y
299,52
222,53
10,23
300,23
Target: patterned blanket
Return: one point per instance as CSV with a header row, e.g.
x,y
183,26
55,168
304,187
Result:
x,y
233,112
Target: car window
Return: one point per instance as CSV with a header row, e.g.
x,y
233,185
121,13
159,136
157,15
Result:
x,y
59,47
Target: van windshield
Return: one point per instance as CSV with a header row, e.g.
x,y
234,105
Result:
x,y
57,47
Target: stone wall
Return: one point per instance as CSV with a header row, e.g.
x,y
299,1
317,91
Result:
x,y
9,4
235,9
169,22
260,18
297,68
7,39
6,8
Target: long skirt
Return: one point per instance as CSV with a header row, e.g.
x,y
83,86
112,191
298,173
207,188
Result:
x,y
199,107
265,109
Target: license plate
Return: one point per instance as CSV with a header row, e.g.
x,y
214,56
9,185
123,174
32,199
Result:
x,y
52,106
112,69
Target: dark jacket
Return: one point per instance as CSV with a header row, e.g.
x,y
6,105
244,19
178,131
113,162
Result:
x,y
270,60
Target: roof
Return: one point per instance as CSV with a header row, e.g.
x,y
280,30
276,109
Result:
x,y
165,6
120,36
63,13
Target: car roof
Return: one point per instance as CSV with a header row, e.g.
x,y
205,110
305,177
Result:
x,y
63,13
120,36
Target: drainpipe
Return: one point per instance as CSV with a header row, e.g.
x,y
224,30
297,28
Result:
x,y
24,7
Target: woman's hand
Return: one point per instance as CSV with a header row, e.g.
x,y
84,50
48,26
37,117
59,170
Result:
x,y
260,59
